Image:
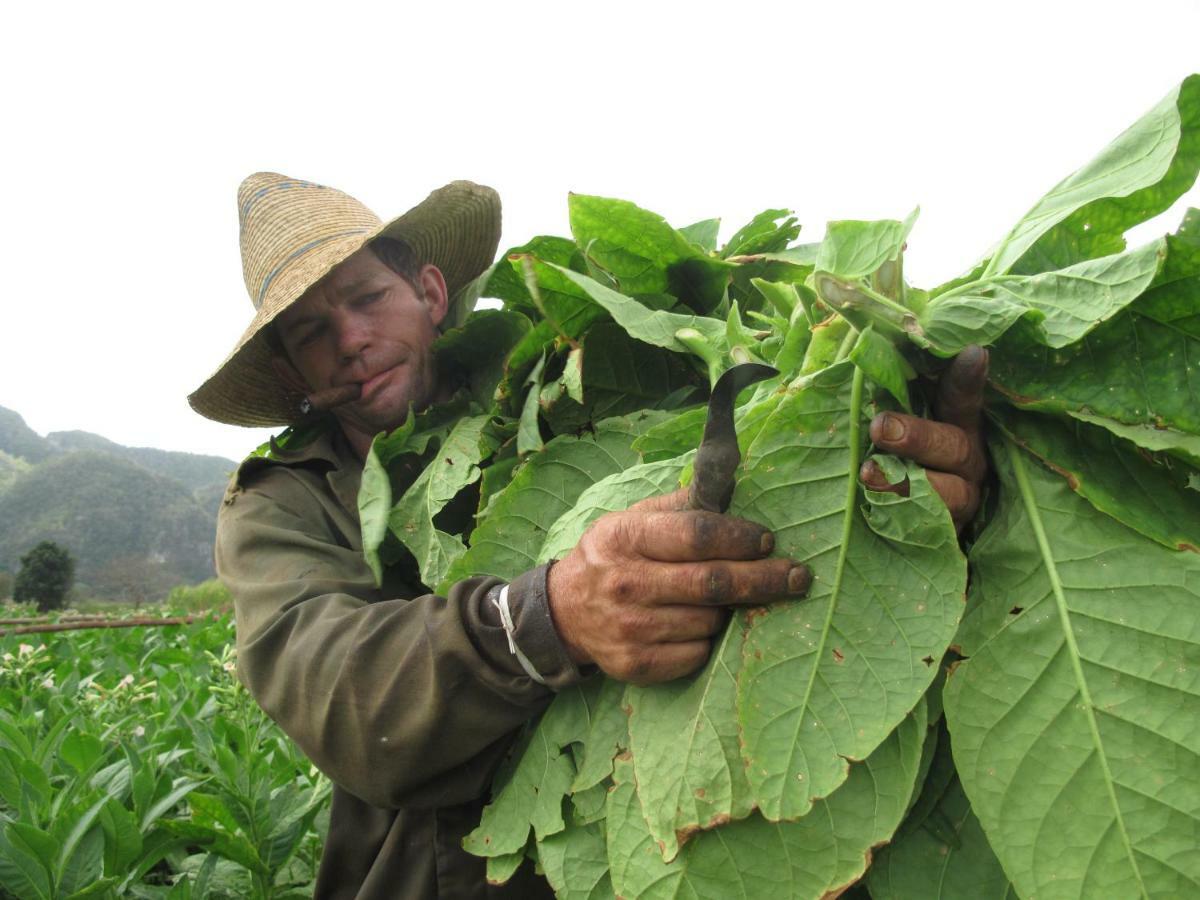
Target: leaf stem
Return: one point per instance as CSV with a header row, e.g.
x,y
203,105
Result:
x,y
1064,616
855,439
844,349
882,299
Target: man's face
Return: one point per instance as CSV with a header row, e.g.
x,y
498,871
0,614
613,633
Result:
x,y
364,324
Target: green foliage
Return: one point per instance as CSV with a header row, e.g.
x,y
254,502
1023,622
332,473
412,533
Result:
x,y
133,764
1038,741
45,576
206,596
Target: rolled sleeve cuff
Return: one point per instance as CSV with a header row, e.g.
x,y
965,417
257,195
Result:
x,y
534,631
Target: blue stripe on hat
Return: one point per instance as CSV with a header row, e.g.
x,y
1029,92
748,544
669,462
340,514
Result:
x,y
279,186
300,252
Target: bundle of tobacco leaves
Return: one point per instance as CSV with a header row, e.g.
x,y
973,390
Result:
x,y
1041,738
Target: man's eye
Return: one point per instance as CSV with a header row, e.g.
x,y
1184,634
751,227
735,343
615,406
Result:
x,y
307,337
368,299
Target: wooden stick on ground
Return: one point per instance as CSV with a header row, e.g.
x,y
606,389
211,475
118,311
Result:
x,y
44,627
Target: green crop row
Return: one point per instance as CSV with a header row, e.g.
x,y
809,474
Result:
x,y
133,764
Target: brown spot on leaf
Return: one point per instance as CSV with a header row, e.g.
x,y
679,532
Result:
x,y
1016,610
1186,546
700,792
838,655
928,660
755,613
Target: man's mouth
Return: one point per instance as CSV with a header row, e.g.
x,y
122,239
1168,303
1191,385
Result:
x,y
373,383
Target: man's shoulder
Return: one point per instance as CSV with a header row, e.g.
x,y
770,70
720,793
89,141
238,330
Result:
x,y
292,471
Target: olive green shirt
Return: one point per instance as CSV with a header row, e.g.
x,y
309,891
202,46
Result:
x,y
408,701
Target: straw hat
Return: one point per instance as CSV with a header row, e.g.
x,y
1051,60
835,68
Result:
x,y
293,233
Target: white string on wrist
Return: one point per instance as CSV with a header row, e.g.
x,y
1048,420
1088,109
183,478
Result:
x,y
506,620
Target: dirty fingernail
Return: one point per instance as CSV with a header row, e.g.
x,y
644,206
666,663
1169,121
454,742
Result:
x,y
766,543
891,427
870,474
799,579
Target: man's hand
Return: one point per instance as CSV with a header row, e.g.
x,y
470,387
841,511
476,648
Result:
x,y
644,590
951,449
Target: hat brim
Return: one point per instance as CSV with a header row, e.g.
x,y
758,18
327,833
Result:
x,y
456,228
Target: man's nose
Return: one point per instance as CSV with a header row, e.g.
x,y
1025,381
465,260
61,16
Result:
x,y
353,339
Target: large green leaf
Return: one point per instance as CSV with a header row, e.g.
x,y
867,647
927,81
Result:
x,y
1058,307
854,249
506,282
23,871
1137,176
644,254
575,862
827,678
1144,492
619,375
1076,718
684,740
476,351
818,855
653,326
1137,374
951,861
455,466
607,734
1077,299
948,325
613,493
509,538
529,790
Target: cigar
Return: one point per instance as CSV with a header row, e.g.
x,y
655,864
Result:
x,y
330,397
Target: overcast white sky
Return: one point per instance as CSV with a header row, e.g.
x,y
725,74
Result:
x,y
127,127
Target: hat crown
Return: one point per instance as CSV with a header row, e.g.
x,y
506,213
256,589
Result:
x,y
282,219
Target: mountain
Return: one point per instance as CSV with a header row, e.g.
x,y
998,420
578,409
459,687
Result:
x,y
18,439
193,469
134,518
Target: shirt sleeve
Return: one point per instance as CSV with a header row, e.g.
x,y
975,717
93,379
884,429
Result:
x,y
402,702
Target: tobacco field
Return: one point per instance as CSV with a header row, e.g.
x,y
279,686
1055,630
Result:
x,y
1017,714
132,764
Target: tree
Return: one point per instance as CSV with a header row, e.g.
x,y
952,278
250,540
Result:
x,y
134,579
6,584
45,576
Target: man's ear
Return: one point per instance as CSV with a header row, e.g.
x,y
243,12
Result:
x,y
435,294
286,372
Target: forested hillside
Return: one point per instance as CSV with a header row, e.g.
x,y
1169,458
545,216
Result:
x,y
137,520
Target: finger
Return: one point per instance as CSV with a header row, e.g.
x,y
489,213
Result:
x,y
935,445
672,502
725,583
668,624
873,478
960,495
694,535
960,389
662,662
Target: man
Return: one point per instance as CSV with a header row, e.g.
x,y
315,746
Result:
x,y
408,701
